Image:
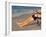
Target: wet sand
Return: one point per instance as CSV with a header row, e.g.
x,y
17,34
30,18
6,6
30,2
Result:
x,y
15,27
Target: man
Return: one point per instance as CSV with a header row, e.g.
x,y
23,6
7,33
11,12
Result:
x,y
30,19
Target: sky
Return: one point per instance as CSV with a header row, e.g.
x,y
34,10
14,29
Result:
x,y
20,10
